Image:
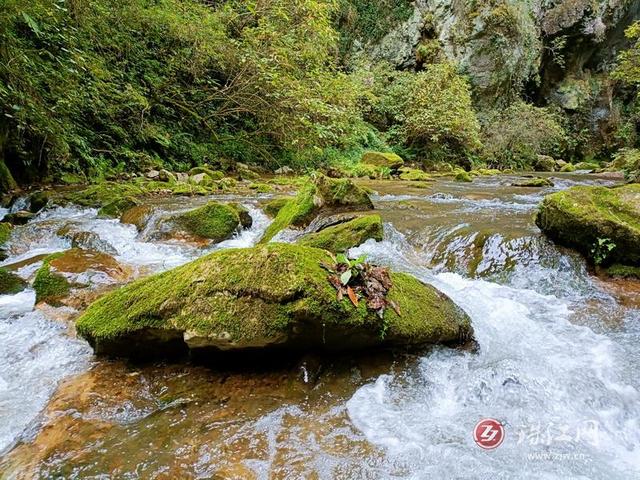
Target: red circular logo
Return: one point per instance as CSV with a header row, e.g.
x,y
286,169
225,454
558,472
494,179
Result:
x,y
488,433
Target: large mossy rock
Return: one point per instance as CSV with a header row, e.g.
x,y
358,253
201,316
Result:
x,y
380,159
602,223
275,295
342,237
323,194
215,221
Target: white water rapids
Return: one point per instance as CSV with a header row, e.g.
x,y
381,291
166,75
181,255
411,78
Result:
x,y
556,363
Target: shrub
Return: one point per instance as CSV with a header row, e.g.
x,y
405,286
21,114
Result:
x,y
515,136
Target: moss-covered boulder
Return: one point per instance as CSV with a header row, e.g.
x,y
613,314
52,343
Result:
x,y
602,223
323,194
587,166
544,163
5,232
215,221
274,295
537,182
7,182
49,285
10,283
380,159
342,237
37,201
462,176
414,175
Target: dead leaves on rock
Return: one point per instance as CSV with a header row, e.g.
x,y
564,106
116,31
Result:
x,y
357,280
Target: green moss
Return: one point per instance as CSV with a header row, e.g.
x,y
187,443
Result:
x,y
213,174
10,283
261,187
624,271
462,176
582,217
587,166
414,175
322,193
117,207
381,159
5,232
569,167
344,236
535,182
215,221
7,183
267,295
272,207
50,287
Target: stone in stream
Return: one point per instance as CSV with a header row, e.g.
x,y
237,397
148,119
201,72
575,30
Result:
x,y
380,159
275,295
10,283
602,223
215,221
321,195
20,217
52,286
340,236
137,215
534,182
272,207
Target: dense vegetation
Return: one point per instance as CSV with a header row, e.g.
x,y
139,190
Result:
x,y
90,88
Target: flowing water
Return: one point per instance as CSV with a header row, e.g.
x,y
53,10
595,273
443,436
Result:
x,y
556,363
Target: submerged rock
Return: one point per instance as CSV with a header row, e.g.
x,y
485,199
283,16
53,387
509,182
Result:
x,y
269,296
322,195
602,223
346,235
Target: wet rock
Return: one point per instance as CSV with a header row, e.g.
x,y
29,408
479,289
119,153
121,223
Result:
x,y
346,235
322,195
20,217
10,283
215,221
90,241
77,260
380,159
534,182
602,223
153,174
137,215
269,296
37,201
246,221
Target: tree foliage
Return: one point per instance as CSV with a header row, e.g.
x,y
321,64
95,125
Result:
x,y
514,136
89,85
